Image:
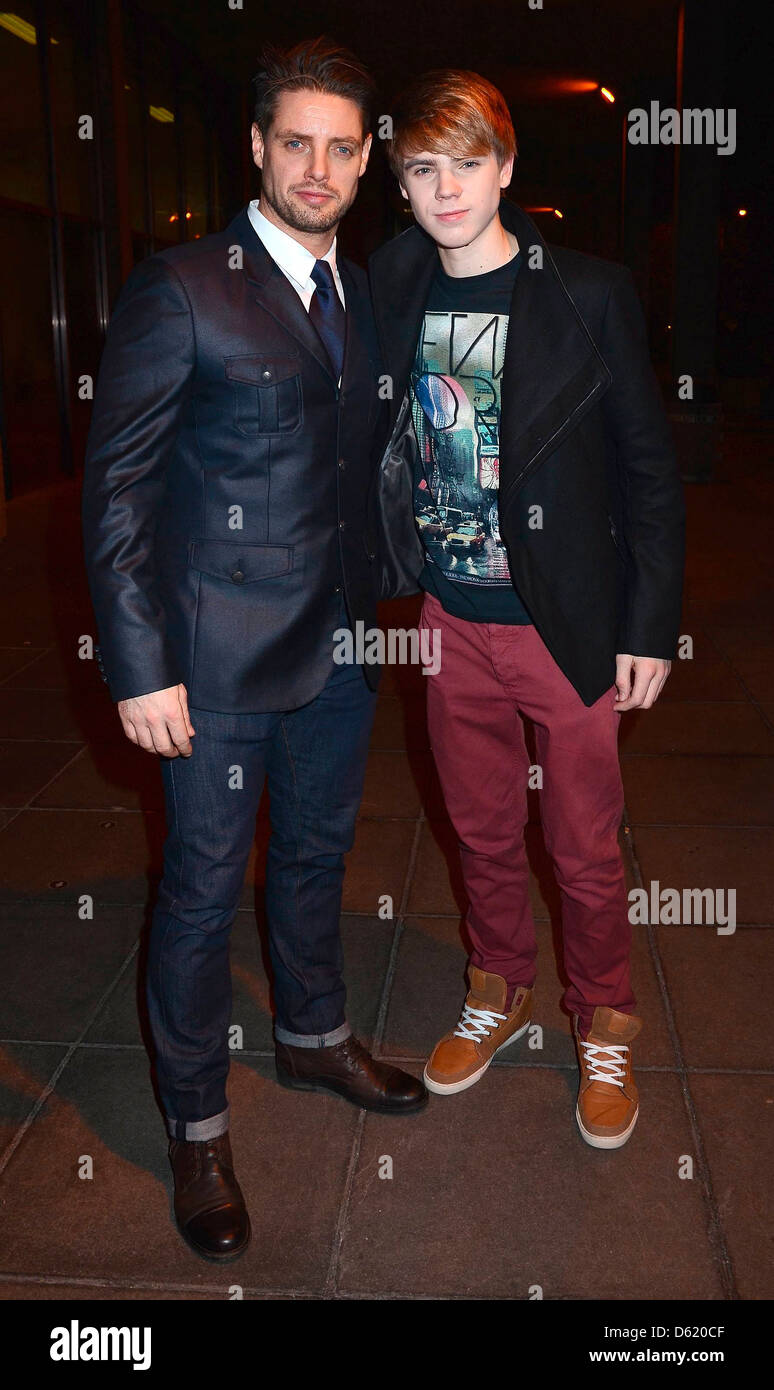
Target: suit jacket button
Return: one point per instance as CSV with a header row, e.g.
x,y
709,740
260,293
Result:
x,y
342,524
238,576
342,463
266,374
337,590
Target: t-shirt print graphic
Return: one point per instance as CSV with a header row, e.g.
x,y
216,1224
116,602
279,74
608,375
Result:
x,y
456,412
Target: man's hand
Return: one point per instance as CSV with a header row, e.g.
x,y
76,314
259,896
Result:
x,y
649,673
159,721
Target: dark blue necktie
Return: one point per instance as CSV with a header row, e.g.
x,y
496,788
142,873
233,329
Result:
x,y
327,314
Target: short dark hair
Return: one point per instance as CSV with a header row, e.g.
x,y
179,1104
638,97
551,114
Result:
x,y
316,65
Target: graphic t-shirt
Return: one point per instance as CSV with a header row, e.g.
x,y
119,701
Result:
x,y
455,390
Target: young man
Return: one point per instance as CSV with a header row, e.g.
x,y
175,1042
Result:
x,y
530,488
224,516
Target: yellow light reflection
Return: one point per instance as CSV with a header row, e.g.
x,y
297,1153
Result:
x,y
20,28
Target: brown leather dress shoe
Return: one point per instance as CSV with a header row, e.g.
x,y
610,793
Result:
x,y
349,1070
209,1207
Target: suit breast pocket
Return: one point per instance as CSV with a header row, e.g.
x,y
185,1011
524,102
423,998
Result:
x,y
266,393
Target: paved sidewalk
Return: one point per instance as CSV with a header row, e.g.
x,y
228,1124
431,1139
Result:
x,y
492,1192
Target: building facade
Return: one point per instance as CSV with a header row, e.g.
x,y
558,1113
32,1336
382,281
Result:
x,y
117,142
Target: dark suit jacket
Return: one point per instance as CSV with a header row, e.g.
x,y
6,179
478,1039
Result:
x,y
226,480
584,436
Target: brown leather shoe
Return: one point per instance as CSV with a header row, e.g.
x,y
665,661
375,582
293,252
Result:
x,y
349,1070
209,1207
608,1103
462,1056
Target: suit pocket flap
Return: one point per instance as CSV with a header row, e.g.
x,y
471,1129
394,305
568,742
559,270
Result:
x,y
262,371
240,563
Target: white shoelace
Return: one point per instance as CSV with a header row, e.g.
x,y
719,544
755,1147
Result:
x,y
476,1023
615,1064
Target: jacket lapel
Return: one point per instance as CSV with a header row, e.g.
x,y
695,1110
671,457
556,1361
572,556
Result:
x,y
553,371
272,290
400,280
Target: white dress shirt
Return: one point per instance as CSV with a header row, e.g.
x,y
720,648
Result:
x,y
293,259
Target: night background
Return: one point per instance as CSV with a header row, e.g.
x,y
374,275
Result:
x,y
170,84
491,1198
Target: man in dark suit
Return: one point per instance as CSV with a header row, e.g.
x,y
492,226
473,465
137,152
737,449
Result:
x,y
226,538
530,488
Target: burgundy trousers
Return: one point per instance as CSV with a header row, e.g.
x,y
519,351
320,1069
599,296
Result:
x,y
489,675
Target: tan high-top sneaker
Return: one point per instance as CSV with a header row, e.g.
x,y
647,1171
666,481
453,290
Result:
x,y
608,1103
462,1056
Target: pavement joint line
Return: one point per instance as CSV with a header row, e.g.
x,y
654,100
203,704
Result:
x,y
257,1291
271,1292
5,738
708,926
455,917
701,825
384,1002
716,1234
39,653
342,1219
50,1087
166,1286
371,820
28,805
730,756
9,904
756,704
332,1276
410,1058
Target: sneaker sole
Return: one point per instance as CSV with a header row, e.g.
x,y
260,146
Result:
x,y
451,1088
605,1141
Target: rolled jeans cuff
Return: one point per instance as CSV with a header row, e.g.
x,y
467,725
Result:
x,y
313,1039
197,1130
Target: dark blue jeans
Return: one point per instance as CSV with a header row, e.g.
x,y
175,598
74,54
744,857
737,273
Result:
x,y
314,759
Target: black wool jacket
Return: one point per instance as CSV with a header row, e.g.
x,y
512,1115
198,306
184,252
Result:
x,y
584,438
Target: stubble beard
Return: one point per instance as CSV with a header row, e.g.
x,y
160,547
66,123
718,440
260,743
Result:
x,y
306,219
